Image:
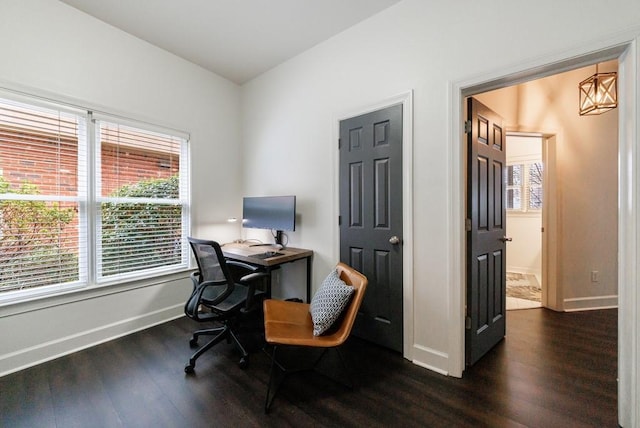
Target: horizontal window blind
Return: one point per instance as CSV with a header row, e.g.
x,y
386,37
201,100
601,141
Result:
x,y
142,200
87,198
524,186
42,194
514,187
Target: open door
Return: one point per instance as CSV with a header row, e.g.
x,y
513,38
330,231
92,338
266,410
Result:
x,y
485,224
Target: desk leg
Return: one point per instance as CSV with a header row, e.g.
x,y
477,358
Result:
x,y
268,280
308,279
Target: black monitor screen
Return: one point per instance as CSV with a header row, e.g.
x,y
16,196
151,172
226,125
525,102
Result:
x,y
269,212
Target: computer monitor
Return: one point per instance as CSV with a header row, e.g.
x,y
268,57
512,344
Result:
x,y
277,213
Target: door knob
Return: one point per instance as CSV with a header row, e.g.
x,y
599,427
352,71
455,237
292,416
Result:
x,y
394,240
505,239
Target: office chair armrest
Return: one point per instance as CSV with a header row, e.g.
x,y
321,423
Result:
x,y
239,270
246,279
250,281
199,288
242,265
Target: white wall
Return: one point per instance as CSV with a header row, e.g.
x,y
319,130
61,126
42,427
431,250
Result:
x,y
49,48
587,182
289,118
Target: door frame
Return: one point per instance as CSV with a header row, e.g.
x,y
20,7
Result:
x,y
626,48
406,99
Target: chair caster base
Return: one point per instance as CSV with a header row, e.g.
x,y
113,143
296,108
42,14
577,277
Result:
x,y
189,368
193,342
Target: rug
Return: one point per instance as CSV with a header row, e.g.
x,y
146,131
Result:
x,y
523,286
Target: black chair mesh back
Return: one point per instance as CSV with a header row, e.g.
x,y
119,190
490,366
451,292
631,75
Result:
x,y
209,263
212,269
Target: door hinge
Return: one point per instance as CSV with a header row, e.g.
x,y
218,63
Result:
x,y
467,126
339,143
467,225
467,323
339,220
542,229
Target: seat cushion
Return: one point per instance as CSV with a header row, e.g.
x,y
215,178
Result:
x,y
329,302
289,323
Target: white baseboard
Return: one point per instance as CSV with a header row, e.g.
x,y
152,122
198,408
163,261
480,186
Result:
x,y
430,359
590,303
47,351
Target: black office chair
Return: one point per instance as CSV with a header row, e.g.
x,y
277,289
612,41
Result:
x,y
219,296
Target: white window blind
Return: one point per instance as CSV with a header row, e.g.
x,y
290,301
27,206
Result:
x,y
514,187
524,186
142,200
87,199
42,194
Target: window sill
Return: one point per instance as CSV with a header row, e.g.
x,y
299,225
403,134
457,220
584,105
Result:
x,y
35,303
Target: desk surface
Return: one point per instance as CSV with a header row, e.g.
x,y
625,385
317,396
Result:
x,y
243,252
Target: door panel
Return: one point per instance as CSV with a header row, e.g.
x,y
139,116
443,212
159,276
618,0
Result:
x,y
486,276
371,213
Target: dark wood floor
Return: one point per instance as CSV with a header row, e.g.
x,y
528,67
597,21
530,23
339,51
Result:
x,y
552,370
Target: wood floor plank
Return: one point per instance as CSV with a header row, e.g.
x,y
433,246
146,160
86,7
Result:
x,y
552,370
78,394
25,399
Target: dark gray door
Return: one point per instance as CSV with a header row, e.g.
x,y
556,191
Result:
x,y
371,219
486,276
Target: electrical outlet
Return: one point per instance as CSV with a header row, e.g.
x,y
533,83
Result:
x,y
595,276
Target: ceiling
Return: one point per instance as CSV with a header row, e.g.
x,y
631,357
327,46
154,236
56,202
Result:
x,y
236,39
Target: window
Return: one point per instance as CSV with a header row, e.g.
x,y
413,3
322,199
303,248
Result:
x,y
140,202
69,178
524,186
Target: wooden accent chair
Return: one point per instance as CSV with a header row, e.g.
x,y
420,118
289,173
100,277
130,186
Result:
x,y
289,323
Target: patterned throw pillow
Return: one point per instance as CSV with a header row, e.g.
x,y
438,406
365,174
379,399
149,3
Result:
x,y
329,302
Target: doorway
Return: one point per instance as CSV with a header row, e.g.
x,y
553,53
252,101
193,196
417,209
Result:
x,y
524,186
625,50
587,155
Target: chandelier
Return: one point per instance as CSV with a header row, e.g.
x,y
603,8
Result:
x,y
598,93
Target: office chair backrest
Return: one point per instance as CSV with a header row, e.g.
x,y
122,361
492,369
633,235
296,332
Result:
x,y
211,265
359,282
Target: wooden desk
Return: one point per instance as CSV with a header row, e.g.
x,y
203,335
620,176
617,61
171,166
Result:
x,y
247,254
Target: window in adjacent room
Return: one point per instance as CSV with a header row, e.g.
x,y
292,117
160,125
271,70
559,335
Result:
x,y
524,174
524,186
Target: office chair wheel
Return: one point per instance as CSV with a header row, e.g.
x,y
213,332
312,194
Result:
x,y
193,342
243,363
189,368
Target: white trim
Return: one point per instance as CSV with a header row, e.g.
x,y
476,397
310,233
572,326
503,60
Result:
x,y
406,99
436,359
34,355
37,302
625,47
628,237
590,303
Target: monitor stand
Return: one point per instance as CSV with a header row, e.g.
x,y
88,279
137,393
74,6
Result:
x,y
279,238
